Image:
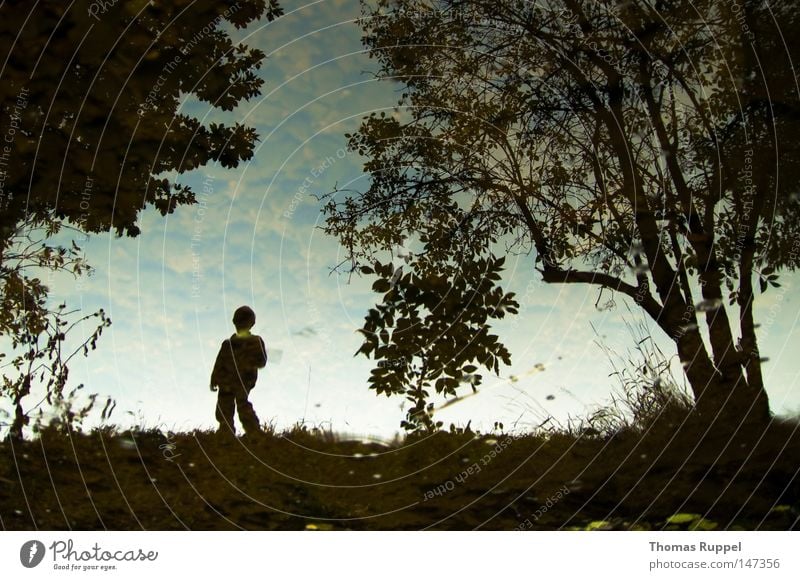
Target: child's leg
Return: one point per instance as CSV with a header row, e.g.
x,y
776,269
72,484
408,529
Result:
x,y
226,402
247,415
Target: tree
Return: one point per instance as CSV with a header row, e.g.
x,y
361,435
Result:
x,y
646,148
93,133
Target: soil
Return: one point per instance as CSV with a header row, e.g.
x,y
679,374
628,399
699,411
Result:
x,y
664,478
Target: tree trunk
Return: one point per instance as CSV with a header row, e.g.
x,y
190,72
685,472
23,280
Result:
x,y
697,365
749,352
721,403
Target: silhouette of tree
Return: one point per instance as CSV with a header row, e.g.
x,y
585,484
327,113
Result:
x,y
646,148
430,331
93,131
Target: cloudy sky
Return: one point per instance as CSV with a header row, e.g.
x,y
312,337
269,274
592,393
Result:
x,y
255,240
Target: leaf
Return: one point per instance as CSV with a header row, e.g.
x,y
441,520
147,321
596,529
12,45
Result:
x,y
319,527
683,518
599,525
381,286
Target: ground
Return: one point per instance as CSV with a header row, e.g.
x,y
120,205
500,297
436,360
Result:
x,y
667,477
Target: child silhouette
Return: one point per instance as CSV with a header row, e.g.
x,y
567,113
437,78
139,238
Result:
x,y
235,373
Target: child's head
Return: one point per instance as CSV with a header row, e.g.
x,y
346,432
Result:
x,y
244,318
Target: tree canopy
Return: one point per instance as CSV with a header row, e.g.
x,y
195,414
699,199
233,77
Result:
x,y
91,97
647,148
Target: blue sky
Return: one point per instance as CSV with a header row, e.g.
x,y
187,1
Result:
x,y
255,240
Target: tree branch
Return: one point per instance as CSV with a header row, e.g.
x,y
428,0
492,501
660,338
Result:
x,y
641,294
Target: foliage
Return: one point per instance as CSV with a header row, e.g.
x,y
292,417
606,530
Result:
x,y
23,299
431,331
41,362
36,332
644,148
92,95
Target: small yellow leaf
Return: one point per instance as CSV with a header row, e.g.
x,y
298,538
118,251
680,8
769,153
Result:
x,y
599,525
319,527
683,518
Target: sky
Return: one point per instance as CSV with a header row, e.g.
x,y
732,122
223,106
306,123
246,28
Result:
x,y
254,239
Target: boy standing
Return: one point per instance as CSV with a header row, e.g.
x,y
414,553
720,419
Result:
x,y
235,373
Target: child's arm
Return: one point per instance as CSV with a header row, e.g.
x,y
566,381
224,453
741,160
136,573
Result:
x,y
215,373
263,353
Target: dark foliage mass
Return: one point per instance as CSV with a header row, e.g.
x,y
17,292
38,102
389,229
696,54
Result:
x,y
93,91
